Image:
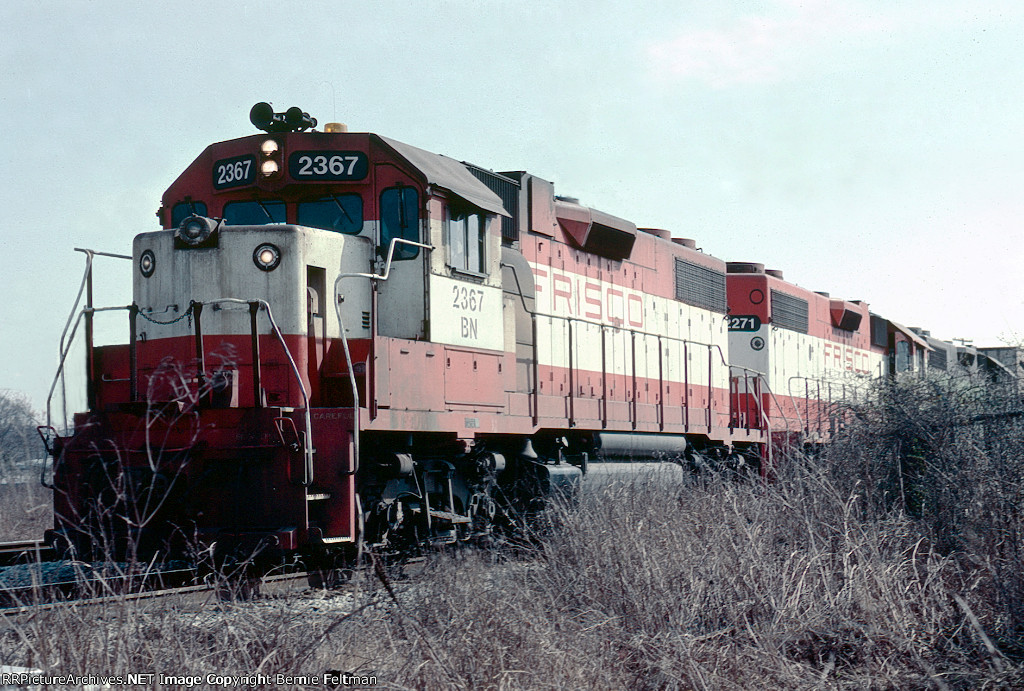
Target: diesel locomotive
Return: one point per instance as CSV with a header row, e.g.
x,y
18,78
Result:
x,y
339,341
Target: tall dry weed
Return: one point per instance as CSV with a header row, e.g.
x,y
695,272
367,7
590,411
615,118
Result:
x,y
890,561
26,511
658,581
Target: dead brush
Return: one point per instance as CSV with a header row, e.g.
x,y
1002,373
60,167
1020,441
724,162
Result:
x,y
889,560
26,511
657,581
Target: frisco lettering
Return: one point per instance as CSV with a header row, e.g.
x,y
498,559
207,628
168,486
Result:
x,y
846,358
587,298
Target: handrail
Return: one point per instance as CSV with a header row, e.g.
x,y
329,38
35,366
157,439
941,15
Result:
x,y
777,404
344,338
86,286
59,377
633,332
765,418
746,393
308,439
817,381
89,311
86,311
387,265
86,278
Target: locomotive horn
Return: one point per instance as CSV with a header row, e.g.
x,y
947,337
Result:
x,y
294,119
264,118
298,120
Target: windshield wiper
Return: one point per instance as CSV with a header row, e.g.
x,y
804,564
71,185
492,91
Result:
x,y
337,200
266,211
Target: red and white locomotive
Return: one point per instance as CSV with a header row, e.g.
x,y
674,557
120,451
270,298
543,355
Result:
x,y
339,339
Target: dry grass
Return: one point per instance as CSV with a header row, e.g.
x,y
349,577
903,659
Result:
x,y
724,586
889,562
26,511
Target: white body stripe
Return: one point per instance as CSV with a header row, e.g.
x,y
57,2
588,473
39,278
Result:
x,y
595,305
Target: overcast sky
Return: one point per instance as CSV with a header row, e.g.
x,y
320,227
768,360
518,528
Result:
x,y
871,149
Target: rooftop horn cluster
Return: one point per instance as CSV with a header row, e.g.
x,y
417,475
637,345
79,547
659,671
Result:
x,y
294,119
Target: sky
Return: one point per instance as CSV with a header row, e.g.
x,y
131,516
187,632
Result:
x,y
871,149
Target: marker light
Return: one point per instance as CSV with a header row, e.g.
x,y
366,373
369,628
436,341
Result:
x,y
266,257
147,263
270,158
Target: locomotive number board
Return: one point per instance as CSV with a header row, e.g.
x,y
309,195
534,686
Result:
x,y
744,322
234,172
334,166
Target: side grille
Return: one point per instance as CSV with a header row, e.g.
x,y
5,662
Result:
x,y
879,331
700,286
789,312
508,190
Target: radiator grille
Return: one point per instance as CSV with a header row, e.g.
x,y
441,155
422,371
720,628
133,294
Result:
x,y
789,312
937,359
700,286
879,331
506,188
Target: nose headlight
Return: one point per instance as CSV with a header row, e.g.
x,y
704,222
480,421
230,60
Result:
x,y
147,263
193,230
196,231
266,257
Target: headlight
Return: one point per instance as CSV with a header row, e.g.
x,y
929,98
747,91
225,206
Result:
x,y
270,158
147,263
266,257
196,231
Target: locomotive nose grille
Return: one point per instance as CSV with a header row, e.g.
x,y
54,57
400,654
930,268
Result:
x,y
366,320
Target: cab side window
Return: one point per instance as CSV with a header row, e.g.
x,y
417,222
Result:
x,y
903,361
400,218
467,239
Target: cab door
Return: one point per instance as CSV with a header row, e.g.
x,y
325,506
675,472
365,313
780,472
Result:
x,y
400,309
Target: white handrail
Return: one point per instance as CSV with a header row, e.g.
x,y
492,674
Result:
x,y
344,338
308,439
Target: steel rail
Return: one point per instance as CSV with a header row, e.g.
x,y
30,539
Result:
x,y
276,584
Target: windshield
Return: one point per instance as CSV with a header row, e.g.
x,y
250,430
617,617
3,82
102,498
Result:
x,y
341,212
254,213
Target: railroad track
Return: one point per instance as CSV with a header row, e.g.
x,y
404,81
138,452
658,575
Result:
x,y
32,578
277,585
97,589
29,585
